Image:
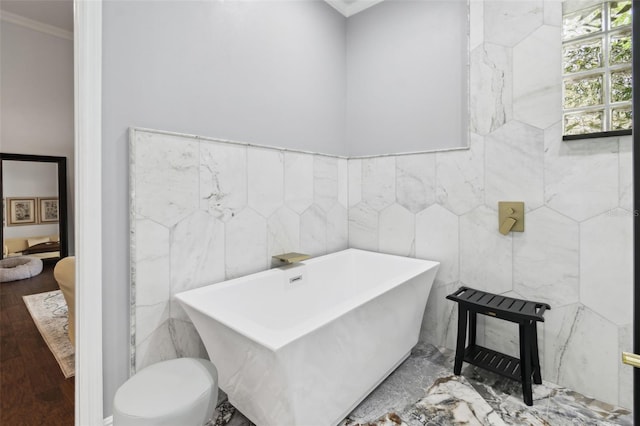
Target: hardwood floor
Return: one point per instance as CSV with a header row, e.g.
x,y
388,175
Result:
x,y
33,390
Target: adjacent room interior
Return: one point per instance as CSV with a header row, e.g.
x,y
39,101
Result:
x,y
37,191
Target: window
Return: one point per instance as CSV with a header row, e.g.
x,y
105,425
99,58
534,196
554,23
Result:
x,y
596,68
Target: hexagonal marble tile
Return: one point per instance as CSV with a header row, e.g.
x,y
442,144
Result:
x,y
157,347
363,227
546,258
186,339
581,346
626,173
508,22
606,265
246,244
223,178
313,231
337,229
343,182
151,281
485,254
354,181
283,231
537,83
490,88
514,165
437,237
553,13
415,181
149,318
460,177
197,254
166,182
325,181
503,336
265,168
440,321
379,182
575,168
298,181
397,231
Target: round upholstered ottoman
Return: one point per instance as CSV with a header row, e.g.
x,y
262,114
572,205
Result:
x,y
181,392
19,268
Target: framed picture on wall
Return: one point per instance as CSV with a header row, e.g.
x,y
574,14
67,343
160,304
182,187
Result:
x,y
22,211
48,207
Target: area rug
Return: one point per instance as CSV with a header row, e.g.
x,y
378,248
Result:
x,y
49,312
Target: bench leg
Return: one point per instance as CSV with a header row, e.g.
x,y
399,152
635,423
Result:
x,y
537,376
525,363
462,338
473,321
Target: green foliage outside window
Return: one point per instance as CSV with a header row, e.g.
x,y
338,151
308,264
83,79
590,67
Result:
x,y
620,13
583,92
582,56
620,49
597,58
621,89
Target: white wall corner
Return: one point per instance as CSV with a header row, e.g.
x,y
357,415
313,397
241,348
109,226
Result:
x,y
88,224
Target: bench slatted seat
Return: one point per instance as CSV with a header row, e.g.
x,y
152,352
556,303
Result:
x,y
472,302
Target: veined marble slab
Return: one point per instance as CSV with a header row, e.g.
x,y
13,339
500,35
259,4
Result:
x,y
424,391
206,210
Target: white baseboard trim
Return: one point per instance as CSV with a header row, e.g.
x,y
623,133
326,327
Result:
x,y
108,421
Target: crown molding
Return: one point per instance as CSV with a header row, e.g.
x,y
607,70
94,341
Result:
x,y
35,25
351,8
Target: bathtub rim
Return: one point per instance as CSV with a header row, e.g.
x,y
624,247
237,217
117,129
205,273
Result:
x,y
278,339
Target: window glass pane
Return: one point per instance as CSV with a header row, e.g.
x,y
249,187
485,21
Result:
x,y
621,118
583,122
583,92
620,48
583,22
621,86
620,13
597,56
582,56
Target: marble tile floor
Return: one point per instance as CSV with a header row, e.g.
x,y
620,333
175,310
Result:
x,y
424,392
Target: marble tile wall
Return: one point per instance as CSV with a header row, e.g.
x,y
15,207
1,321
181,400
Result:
x,y
576,250
204,211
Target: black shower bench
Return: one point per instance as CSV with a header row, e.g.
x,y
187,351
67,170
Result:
x,y
472,302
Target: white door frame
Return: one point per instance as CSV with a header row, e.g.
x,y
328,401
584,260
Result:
x,y
87,48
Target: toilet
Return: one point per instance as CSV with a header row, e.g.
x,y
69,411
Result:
x,y
180,391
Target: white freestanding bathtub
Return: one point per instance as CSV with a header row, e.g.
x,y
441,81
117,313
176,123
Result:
x,y
303,345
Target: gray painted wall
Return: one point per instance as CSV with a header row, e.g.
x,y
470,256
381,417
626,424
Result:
x,y
407,77
271,73
261,72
